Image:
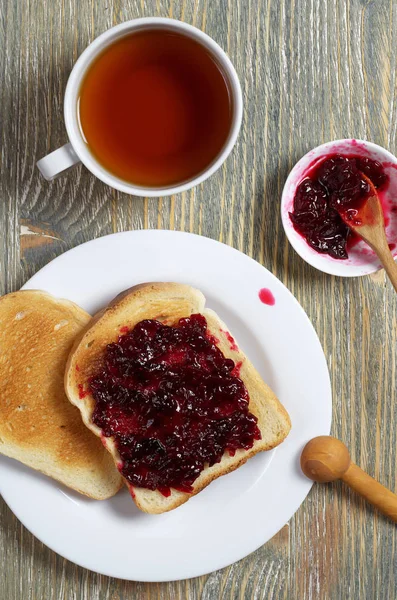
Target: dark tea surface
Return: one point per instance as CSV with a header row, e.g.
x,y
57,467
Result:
x,y
155,108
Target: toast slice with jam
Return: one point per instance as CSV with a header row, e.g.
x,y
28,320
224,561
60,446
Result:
x,y
160,379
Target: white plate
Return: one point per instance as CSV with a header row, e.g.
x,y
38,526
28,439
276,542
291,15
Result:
x,y
237,513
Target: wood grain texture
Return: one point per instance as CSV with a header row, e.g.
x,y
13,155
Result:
x,y
311,71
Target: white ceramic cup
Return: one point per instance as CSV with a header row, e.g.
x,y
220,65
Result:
x,y
78,151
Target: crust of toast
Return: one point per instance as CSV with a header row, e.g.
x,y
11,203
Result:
x,y
38,425
168,302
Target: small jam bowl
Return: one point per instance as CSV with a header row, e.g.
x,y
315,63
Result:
x,y
362,260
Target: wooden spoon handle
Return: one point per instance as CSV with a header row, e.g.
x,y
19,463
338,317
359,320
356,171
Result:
x,y
370,489
378,242
390,266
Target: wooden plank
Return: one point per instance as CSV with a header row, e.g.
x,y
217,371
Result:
x,y
310,71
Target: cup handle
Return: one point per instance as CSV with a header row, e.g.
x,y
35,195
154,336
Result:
x,y
53,164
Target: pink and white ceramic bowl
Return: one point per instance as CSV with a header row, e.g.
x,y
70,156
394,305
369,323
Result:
x,y
362,260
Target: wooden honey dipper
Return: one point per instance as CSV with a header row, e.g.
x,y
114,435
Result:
x,y
326,459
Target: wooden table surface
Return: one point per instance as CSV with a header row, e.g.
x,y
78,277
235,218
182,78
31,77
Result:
x,y
311,71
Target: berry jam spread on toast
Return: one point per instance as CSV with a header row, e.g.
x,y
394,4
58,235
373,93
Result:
x,y
172,402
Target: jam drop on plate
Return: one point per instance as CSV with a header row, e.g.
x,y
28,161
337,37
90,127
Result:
x,y
266,297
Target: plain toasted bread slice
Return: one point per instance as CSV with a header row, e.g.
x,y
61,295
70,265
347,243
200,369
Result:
x,y
38,425
168,302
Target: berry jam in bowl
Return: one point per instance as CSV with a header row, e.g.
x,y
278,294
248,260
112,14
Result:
x,y
329,179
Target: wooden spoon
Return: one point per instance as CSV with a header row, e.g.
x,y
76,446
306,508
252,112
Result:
x,y
326,459
369,223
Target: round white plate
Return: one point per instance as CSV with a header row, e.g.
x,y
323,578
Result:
x,y
237,513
